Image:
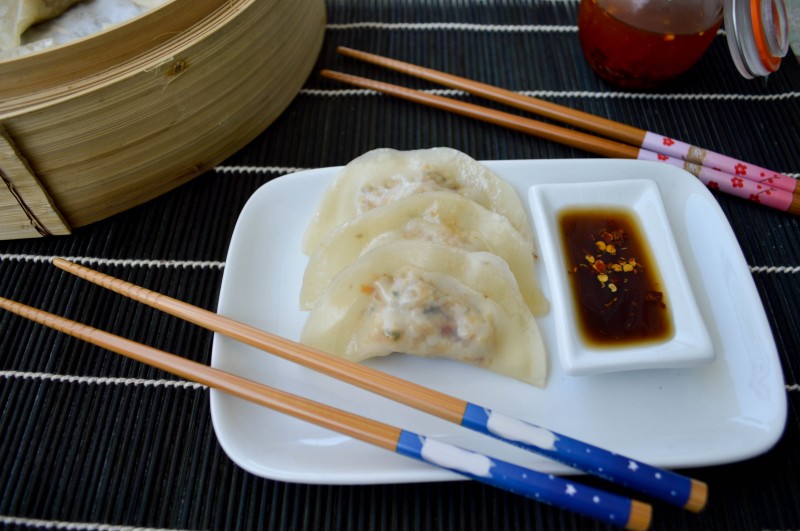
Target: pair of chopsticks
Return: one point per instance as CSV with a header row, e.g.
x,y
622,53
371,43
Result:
x,y
661,484
716,171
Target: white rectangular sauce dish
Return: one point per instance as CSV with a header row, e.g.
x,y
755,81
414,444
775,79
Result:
x,y
688,346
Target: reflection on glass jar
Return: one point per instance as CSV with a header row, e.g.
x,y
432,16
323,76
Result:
x,y
643,43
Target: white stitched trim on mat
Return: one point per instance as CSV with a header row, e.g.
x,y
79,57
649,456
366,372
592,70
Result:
x,y
56,524
331,93
457,26
131,262
774,269
201,264
288,170
98,380
257,169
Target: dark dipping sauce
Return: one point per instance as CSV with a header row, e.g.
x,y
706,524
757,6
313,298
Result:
x,y
615,281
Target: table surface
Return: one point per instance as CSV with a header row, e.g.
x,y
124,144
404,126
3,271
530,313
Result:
x,y
89,439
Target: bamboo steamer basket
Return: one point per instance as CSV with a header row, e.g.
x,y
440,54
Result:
x,y
95,127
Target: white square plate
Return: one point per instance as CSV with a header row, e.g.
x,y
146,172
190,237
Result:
x,y
728,410
690,344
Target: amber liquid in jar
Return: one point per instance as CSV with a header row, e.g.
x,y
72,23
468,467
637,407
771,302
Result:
x,y
615,282
640,48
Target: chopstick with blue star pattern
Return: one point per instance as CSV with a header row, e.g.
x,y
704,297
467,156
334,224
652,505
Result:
x,y
665,485
549,489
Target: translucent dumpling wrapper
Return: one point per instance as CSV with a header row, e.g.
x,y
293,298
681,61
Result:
x,y
16,16
429,300
28,26
440,217
384,175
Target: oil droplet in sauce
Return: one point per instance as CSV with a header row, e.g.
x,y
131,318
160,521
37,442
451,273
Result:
x,y
615,282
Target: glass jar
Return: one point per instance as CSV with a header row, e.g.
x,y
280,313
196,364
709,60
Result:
x,y
641,44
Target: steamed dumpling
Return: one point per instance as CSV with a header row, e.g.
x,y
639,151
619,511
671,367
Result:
x,y
18,15
429,300
385,175
440,217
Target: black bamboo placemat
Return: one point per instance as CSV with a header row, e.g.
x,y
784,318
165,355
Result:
x,y
89,439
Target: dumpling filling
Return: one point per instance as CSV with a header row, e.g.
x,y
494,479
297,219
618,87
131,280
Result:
x,y
374,195
412,313
432,231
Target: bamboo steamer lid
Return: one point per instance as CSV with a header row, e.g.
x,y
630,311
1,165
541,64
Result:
x,y
98,126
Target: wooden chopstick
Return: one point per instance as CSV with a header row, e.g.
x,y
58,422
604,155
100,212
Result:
x,y
665,485
634,136
591,143
570,495
760,192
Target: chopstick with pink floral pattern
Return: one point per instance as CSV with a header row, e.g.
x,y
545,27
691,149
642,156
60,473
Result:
x,y
716,171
